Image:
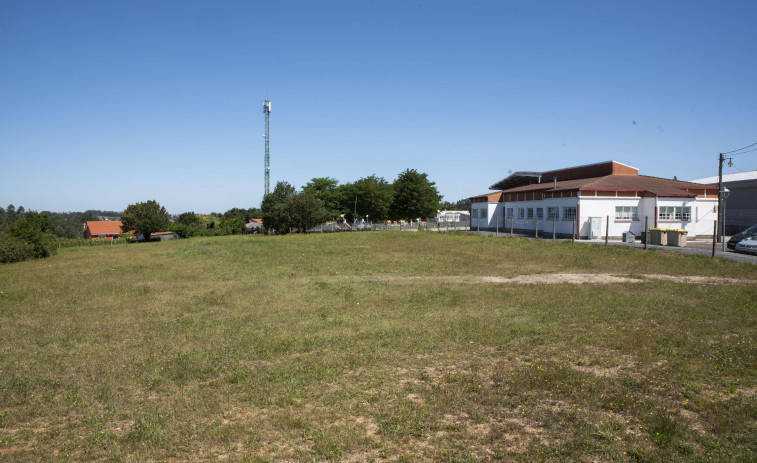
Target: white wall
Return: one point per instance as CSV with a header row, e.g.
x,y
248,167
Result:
x,y
564,227
702,215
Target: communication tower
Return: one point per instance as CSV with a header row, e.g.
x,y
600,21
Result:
x,y
267,112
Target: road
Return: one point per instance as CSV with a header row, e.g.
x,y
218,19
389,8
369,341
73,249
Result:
x,y
699,247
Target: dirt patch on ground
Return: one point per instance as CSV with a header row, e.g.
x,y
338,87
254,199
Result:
x,y
555,278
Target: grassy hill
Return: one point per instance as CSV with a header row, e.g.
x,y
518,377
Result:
x,y
373,346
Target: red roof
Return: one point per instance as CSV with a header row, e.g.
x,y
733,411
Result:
x,y
618,182
112,227
260,221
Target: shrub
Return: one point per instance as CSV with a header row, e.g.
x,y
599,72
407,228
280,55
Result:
x,y
14,249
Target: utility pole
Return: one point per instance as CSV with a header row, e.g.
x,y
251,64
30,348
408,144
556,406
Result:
x,y
721,225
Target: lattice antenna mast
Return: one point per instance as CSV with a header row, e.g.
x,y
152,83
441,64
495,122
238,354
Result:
x,y
267,112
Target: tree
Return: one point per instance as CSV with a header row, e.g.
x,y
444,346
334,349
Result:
x,y
36,230
242,214
285,210
305,211
460,205
189,219
145,219
414,196
275,214
327,190
374,198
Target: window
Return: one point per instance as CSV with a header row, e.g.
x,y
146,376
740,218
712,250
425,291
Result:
x,y
521,213
482,213
509,212
682,214
553,213
626,213
530,212
540,212
569,213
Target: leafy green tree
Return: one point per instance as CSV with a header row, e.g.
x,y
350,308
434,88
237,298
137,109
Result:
x,y
414,196
275,214
305,211
189,219
371,196
242,214
327,190
230,226
285,210
145,219
35,230
461,205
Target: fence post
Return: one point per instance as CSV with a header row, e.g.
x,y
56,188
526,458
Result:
x,y
573,231
607,229
512,217
553,228
496,233
714,236
646,231
536,226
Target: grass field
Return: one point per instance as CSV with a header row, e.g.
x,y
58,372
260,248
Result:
x,y
377,346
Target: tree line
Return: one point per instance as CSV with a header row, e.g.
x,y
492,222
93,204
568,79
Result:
x,y
410,196
29,234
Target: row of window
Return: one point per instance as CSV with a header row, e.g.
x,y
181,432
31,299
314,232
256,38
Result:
x,y
630,213
569,213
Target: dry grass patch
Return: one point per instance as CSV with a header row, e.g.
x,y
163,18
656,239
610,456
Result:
x,y
376,347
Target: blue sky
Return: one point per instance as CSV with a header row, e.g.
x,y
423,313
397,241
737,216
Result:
x,y
103,104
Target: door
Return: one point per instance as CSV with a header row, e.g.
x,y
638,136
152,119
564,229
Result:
x,y
595,227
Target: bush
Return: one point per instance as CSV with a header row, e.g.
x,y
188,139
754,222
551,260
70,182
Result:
x,y
36,231
13,249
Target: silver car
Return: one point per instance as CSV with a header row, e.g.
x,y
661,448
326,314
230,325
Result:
x,y
747,246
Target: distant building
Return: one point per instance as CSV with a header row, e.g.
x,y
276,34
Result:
x,y
578,201
741,199
107,229
452,216
253,225
163,236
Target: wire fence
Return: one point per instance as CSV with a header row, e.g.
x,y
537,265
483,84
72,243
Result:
x,y
429,225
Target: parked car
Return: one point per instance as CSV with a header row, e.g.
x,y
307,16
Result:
x,y
747,246
749,233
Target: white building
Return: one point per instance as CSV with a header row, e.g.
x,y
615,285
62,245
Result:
x,y
740,202
591,201
452,216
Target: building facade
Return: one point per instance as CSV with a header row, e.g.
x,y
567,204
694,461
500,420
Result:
x,y
592,201
740,201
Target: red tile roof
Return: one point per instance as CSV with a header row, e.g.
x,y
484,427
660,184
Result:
x,y
112,227
618,182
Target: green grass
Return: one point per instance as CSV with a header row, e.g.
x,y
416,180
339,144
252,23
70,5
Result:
x,y
373,346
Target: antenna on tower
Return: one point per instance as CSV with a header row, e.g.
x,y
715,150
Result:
x,y
267,112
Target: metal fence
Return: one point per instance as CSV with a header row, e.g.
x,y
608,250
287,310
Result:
x,y
335,227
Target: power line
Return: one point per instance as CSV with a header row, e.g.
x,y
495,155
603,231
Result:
x,y
749,151
751,173
734,151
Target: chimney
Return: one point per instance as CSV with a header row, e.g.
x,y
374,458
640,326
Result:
x,y
555,187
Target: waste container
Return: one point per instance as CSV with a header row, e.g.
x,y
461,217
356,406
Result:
x,y
677,238
658,236
629,237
